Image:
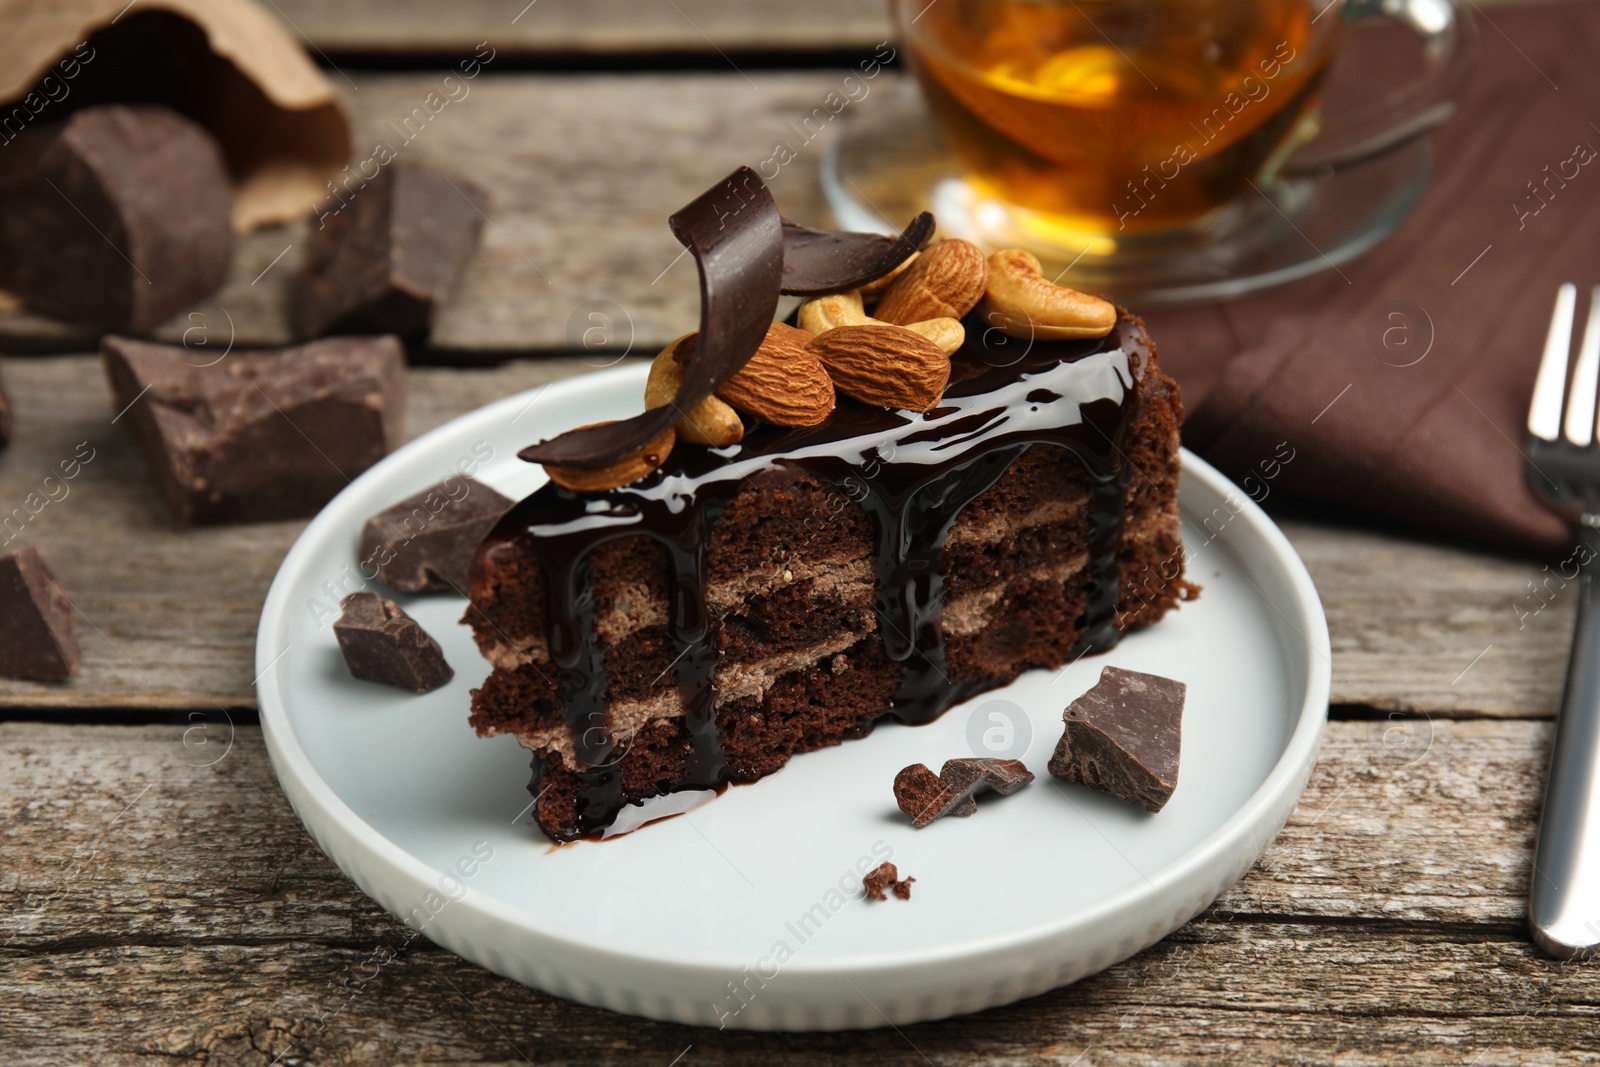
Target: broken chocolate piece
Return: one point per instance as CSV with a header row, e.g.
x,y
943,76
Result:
x,y
36,635
118,216
886,876
382,644
259,436
426,542
743,249
1123,737
926,796
384,260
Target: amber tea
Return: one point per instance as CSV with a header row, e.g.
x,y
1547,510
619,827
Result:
x,y
1118,118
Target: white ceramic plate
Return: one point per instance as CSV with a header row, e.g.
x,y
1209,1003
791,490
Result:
x,y
746,911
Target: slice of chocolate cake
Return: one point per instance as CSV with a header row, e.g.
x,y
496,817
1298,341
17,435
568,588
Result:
x,y
739,605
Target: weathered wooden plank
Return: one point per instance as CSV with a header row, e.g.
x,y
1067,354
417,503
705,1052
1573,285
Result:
x,y
157,908
582,171
166,614
596,27
589,26
1243,993
168,618
180,833
1422,626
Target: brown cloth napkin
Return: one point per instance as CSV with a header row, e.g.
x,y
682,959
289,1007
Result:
x,y
1438,444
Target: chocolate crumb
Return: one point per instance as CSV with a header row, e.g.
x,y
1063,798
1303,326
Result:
x,y
382,644
925,796
886,876
1123,737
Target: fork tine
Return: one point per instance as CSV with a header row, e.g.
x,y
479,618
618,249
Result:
x,y
1589,355
1544,414
1579,423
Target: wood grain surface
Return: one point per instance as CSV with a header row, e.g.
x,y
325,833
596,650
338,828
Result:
x,y
160,903
719,30
588,27
168,619
171,908
582,172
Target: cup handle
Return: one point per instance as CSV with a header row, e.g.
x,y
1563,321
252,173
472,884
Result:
x,y
1450,41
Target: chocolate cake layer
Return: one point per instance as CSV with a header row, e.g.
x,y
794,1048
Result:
x,y
741,605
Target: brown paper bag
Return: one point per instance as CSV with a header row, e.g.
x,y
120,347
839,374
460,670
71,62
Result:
x,y
227,64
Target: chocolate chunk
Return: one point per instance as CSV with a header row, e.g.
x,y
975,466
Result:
x,y
118,216
743,248
926,796
259,436
385,259
427,541
1123,736
36,636
5,416
886,876
383,644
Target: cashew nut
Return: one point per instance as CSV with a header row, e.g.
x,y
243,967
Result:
x,y
710,422
1020,302
826,313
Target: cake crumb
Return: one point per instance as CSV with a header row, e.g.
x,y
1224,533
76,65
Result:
x,y
886,876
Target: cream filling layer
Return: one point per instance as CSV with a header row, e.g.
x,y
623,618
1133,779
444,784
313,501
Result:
x,y
850,580
965,615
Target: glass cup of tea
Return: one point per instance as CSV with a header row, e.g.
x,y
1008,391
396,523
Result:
x,y
1174,148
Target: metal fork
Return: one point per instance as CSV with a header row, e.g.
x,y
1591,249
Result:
x,y
1564,469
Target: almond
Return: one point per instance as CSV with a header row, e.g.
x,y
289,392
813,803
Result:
x,y
783,383
830,312
946,281
710,422
888,366
628,469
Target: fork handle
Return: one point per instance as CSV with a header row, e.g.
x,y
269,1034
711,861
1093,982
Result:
x,y
1564,896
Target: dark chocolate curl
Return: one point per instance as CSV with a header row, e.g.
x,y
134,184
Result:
x,y
737,238
816,262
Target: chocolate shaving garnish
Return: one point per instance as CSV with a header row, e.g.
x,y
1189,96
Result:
x,y
818,262
925,796
747,255
736,236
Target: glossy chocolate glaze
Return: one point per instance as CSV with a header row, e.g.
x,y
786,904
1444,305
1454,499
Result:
x,y
913,473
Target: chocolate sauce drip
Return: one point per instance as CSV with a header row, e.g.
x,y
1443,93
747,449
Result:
x,y
914,473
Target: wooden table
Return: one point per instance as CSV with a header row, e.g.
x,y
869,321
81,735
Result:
x,y
163,905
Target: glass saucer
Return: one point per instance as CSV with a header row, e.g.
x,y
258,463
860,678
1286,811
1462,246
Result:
x,y
891,162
